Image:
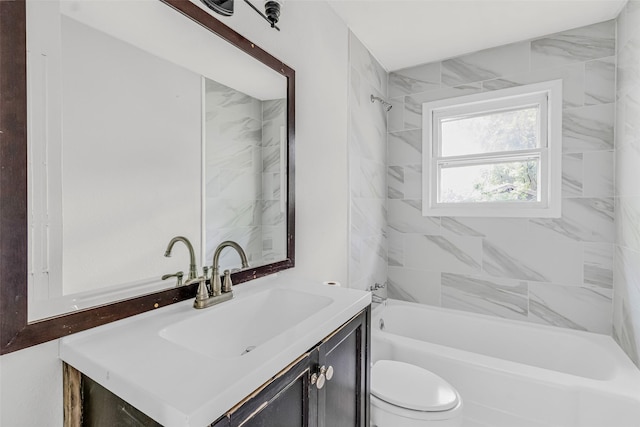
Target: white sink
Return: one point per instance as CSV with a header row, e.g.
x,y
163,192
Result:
x,y
149,360
238,327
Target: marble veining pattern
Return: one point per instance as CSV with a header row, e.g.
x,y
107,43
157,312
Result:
x,y
582,308
243,167
436,253
458,227
599,176
367,151
507,299
600,81
582,44
486,64
572,76
233,169
598,264
395,251
572,174
414,80
368,67
554,271
627,158
396,180
598,276
628,222
395,116
405,182
588,128
414,285
394,291
405,148
626,269
498,262
413,103
374,180
406,216
624,334
584,219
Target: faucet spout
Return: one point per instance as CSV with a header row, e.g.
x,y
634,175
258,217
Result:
x,y
217,284
193,273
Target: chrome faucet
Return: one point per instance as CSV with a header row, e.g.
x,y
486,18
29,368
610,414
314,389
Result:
x,y
177,275
220,292
193,273
216,286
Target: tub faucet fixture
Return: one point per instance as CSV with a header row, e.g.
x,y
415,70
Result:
x,y
192,255
377,299
220,292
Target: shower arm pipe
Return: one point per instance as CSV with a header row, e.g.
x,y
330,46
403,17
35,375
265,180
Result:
x,y
384,103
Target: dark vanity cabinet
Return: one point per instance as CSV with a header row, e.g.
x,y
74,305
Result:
x,y
344,401
325,387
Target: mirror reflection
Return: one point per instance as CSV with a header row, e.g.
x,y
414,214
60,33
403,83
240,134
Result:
x,y
244,174
143,140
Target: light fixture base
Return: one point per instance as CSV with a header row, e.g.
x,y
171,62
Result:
x,y
223,7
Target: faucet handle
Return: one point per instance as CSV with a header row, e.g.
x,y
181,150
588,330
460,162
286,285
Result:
x,y
178,275
202,295
226,285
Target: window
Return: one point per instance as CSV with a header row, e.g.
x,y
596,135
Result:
x,y
494,154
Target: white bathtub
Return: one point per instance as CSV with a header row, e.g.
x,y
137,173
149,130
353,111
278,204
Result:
x,y
512,373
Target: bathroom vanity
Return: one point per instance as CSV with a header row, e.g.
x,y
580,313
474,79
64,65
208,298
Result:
x,y
307,366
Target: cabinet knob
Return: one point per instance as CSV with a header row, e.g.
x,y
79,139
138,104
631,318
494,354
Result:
x,y
328,373
318,380
321,381
323,376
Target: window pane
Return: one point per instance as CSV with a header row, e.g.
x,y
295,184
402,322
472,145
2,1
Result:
x,y
515,181
498,131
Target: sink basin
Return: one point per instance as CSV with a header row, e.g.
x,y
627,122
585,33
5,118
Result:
x,y
236,328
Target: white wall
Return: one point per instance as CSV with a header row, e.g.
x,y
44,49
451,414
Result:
x,y
132,183
314,42
31,387
98,204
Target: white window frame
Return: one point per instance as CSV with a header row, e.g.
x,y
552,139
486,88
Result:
x,y
546,95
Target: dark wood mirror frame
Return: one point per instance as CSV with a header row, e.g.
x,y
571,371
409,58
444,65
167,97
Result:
x,y
15,330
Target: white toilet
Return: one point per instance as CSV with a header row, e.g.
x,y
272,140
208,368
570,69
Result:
x,y
405,395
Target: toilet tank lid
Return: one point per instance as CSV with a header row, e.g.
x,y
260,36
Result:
x,y
411,387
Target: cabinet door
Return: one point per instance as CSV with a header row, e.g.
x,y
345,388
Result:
x,y
344,399
282,403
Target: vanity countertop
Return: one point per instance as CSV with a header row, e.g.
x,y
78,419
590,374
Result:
x,y
168,376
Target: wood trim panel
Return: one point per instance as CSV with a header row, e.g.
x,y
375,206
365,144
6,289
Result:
x,y
72,396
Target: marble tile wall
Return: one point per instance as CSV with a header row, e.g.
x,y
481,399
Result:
x,y
274,121
367,153
626,270
242,175
549,271
233,172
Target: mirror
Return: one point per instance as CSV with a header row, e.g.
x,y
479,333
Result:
x,y
142,126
